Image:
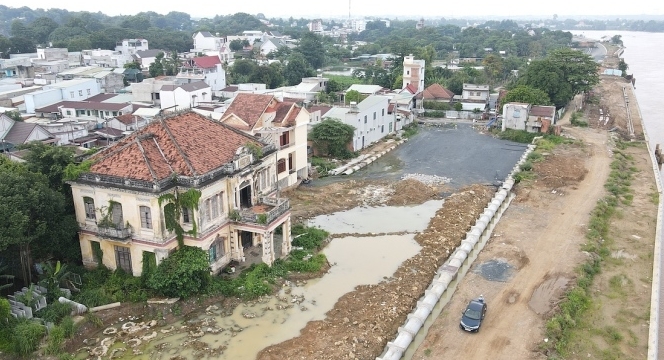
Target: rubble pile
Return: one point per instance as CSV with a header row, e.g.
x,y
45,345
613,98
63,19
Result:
x,y
427,179
362,321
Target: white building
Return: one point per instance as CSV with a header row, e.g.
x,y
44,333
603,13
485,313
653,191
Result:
x,y
180,97
315,26
147,91
475,97
204,40
515,116
370,118
109,80
253,35
306,90
131,46
413,72
51,54
204,68
146,57
105,58
71,90
358,25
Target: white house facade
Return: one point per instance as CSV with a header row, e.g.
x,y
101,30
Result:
x,y
71,90
179,97
370,118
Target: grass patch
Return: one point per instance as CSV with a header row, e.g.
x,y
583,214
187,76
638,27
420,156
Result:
x,y
560,329
410,130
322,165
576,120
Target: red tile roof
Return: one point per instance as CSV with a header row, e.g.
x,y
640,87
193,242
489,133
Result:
x,y
206,62
249,108
187,144
437,92
411,89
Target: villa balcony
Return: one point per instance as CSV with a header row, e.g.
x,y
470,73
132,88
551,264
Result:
x,y
114,232
265,212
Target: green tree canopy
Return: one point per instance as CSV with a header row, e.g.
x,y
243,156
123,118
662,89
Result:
x,y
296,69
184,273
548,77
528,95
157,67
332,137
311,47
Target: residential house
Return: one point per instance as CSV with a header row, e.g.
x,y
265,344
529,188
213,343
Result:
x,y
370,119
70,90
316,115
146,57
126,122
131,46
15,133
252,36
147,91
437,93
475,97
17,68
204,40
541,117
204,68
307,90
51,54
90,110
105,58
117,203
179,97
270,45
280,123
515,116
109,80
413,72
64,130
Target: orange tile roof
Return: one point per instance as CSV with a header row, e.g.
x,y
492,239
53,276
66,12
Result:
x,y
249,108
187,144
437,92
127,119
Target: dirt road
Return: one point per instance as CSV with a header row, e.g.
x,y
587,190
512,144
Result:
x,y
539,236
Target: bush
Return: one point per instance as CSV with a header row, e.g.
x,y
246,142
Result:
x,y
55,312
94,297
26,337
5,309
410,130
68,326
184,273
434,114
436,105
309,238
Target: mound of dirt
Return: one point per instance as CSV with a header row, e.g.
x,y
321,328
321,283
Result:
x,y
410,192
561,169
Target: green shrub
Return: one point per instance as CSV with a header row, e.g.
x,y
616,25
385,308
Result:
x,y
311,238
410,130
436,105
526,166
68,326
56,337
94,297
184,273
5,309
94,319
26,337
434,114
55,312
535,157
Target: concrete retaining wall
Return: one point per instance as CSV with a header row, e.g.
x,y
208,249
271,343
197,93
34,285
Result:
x,y
444,283
363,161
653,334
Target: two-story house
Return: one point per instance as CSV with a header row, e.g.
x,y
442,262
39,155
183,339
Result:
x,y
475,97
370,118
281,123
69,90
15,133
122,220
204,68
413,73
179,97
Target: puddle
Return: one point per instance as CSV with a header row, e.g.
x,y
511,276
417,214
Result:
x,y
386,219
546,293
495,270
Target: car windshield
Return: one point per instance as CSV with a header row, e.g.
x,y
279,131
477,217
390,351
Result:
x,y
472,314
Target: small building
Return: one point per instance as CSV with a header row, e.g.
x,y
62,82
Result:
x,y
69,90
370,119
180,97
146,57
475,97
204,68
437,93
126,122
15,133
413,72
515,116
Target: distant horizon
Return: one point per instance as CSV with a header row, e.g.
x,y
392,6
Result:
x,y
481,9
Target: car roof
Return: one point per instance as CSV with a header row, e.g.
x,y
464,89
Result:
x,y
475,305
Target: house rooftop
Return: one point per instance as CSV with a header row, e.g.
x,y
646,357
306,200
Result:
x,y
437,92
206,62
82,105
365,89
542,110
249,107
194,86
323,109
475,87
186,144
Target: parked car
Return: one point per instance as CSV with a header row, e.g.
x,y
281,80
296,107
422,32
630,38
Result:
x,y
471,318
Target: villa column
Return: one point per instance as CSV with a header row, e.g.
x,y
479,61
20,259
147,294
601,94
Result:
x,y
237,253
286,239
267,239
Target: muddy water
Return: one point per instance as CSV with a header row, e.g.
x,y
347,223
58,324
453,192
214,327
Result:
x,y
385,219
356,260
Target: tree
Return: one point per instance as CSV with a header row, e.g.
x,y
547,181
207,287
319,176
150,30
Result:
x,y
174,205
51,161
353,96
132,65
493,66
528,95
5,47
548,77
579,69
42,27
184,273
79,43
311,47
21,45
33,213
270,75
236,45
458,106
18,29
14,115
157,67
296,69
332,137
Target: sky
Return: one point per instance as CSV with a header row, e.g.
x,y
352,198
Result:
x,y
359,8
